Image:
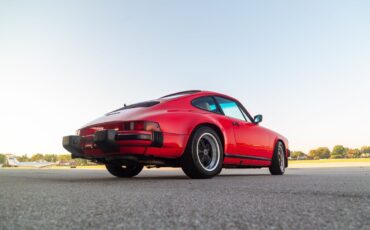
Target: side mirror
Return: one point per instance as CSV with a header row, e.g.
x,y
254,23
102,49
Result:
x,y
257,119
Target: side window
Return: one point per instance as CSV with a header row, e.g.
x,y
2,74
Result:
x,y
206,103
230,108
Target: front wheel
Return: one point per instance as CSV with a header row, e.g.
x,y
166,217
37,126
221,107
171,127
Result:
x,y
127,170
204,155
278,160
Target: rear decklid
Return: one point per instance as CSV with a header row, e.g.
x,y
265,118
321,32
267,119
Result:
x,y
115,119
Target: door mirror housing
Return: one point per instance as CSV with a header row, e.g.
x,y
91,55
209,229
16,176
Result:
x,y
258,119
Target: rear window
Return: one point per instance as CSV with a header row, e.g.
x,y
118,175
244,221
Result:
x,y
144,104
180,94
206,103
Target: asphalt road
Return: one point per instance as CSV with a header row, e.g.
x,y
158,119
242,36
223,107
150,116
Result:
x,y
334,198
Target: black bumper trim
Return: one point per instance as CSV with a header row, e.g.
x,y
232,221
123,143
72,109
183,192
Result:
x,y
130,137
106,140
72,145
157,139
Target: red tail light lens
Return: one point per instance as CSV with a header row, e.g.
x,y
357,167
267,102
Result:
x,y
138,125
141,126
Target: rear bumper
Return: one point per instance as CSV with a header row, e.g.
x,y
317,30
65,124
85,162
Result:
x,y
110,141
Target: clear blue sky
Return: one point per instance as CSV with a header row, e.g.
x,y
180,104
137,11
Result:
x,y
304,65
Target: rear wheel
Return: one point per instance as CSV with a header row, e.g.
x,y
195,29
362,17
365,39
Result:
x,y
278,160
124,170
203,157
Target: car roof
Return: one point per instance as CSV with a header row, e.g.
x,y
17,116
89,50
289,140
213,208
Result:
x,y
194,94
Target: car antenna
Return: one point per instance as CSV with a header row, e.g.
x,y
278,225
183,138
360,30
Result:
x,y
124,105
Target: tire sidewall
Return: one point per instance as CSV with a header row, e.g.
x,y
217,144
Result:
x,y
118,171
193,147
284,156
275,167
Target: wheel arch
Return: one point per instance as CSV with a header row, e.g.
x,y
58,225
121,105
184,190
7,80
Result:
x,y
212,126
285,146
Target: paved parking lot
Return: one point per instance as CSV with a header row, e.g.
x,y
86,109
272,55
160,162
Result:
x,y
331,198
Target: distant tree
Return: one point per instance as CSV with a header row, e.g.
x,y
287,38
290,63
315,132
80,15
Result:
x,y
37,157
339,151
64,158
82,162
23,158
312,154
323,152
353,153
2,159
297,155
319,153
365,149
51,157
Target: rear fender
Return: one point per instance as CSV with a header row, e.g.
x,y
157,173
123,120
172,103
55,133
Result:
x,y
220,124
186,122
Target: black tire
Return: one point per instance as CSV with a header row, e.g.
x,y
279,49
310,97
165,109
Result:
x,y
278,163
203,157
120,170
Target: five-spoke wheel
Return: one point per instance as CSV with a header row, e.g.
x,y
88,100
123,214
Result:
x,y
208,151
204,154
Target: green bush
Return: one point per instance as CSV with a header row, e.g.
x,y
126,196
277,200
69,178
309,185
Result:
x,y
336,156
2,159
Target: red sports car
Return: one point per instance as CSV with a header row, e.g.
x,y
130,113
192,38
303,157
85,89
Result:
x,y
199,131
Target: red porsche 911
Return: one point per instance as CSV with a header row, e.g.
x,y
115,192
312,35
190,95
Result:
x,y
199,131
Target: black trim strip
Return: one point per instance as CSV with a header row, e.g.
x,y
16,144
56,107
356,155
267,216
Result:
x,y
156,138
127,137
247,157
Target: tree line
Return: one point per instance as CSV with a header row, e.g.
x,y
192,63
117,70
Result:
x,y
338,152
54,158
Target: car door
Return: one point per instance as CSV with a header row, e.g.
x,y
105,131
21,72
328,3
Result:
x,y
251,139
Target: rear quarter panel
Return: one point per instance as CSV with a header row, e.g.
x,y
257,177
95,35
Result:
x,y
184,122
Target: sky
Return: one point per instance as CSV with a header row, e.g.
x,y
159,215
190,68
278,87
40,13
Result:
x,y
304,65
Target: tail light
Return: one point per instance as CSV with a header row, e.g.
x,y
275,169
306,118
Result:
x,y
141,126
